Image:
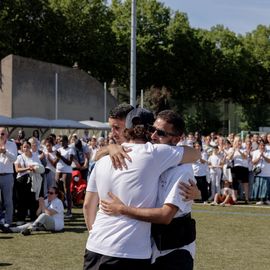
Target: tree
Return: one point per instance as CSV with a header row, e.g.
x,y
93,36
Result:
x,y
31,29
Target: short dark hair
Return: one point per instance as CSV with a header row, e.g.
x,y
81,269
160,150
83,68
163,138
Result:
x,y
173,118
49,140
121,111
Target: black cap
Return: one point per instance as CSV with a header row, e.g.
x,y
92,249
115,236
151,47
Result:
x,y
139,116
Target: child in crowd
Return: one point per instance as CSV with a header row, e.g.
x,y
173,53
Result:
x,y
225,196
215,166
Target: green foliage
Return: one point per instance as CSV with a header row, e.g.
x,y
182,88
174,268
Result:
x,y
193,65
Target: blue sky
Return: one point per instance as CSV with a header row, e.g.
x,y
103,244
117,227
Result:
x,y
240,16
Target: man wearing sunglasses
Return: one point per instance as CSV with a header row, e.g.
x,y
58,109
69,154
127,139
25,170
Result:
x,y
172,249
8,155
97,249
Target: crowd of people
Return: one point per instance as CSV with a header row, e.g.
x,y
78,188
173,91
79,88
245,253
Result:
x,y
32,169
243,167
41,177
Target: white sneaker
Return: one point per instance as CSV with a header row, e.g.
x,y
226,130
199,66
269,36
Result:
x,y
260,203
213,203
267,202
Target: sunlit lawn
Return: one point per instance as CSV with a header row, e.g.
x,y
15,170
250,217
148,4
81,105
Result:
x,y
227,238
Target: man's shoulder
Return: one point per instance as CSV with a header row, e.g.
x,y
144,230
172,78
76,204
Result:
x,y
180,170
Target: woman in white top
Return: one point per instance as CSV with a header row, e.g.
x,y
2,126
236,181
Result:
x,y
240,168
261,159
200,169
25,165
50,215
215,165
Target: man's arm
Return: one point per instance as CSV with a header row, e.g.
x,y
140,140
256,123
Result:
x,y
163,215
117,153
190,154
90,208
10,151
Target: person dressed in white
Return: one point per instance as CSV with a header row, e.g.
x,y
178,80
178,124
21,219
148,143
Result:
x,y
28,182
121,242
215,166
261,187
172,210
64,158
168,197
8,154
239,171
50,215
201,170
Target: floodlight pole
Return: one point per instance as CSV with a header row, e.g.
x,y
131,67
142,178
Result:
x,y
133,55
56,95
105,102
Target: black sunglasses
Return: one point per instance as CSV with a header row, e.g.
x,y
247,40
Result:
x,y
51,193
160,132
2,134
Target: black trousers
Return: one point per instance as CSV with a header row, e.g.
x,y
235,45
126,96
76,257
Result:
x,y
179,259
25,200
96,261
202,185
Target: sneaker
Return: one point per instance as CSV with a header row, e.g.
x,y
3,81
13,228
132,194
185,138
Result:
x,y
5,228
68,215
267,202
205,203
26,231
213,203
260,203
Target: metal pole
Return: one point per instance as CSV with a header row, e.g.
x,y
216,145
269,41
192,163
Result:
x,y
105,102
133,55
142,98
56,95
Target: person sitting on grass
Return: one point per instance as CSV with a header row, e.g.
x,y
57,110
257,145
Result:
x,y
50,215
225,196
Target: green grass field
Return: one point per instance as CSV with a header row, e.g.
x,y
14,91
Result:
x,y
227,238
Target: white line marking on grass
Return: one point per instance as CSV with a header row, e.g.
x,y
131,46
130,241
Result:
x,y
231,213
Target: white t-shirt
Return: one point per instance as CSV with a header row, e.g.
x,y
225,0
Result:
x,y
214,160
201,169
168,193
58,218
61,166
7,159
237,157
52,156
265,166
25,162
121,236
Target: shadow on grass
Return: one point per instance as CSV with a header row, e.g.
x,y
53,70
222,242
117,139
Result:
x,y
76,230
5,264
6,237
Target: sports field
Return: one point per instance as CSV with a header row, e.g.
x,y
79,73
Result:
x,y
235,237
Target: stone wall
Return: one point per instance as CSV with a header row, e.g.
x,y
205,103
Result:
x,y
29,89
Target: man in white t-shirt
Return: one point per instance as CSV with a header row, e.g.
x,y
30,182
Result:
x,y
170,207
65,155
8,154
120,242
